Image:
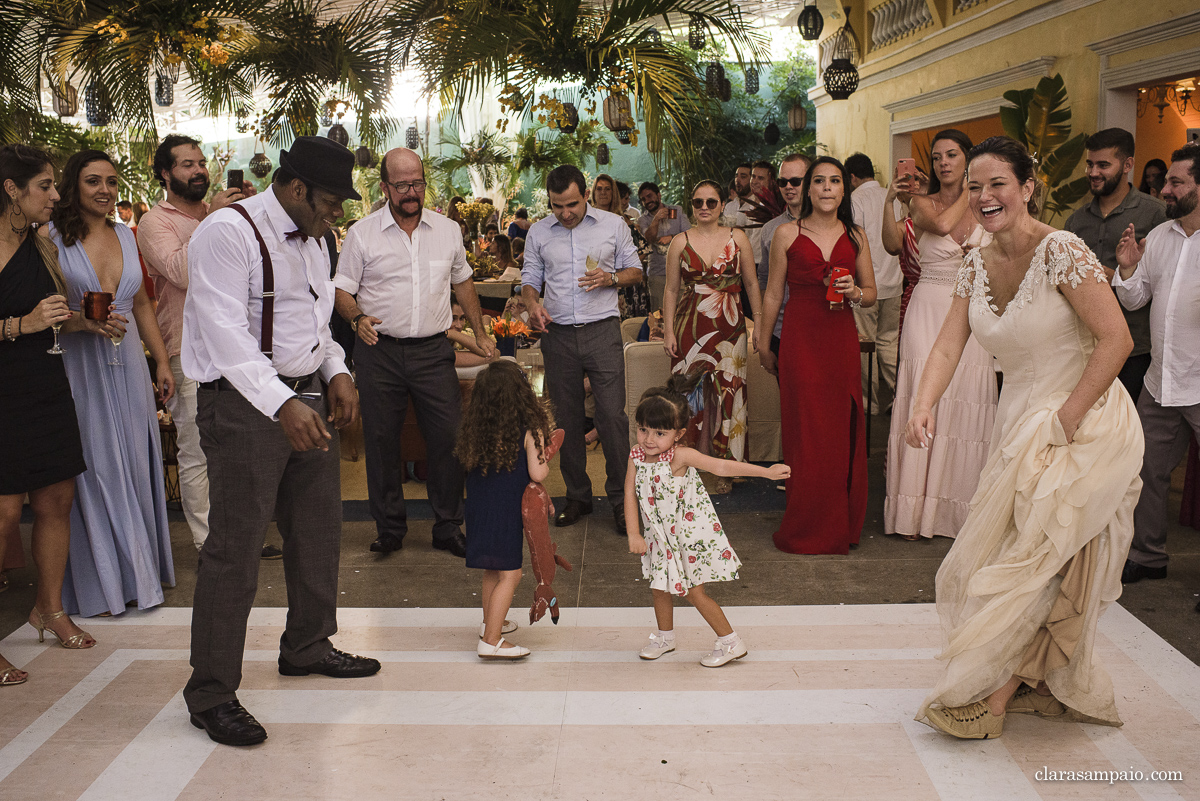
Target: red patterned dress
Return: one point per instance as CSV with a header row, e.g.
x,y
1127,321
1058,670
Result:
x,y
710,330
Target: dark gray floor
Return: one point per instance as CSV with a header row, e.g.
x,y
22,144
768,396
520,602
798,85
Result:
x,y
882,570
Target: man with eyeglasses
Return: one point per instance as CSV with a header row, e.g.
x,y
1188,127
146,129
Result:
x,y
791,178
395,274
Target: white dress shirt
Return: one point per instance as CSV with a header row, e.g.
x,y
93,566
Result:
x,y
1169,274
866,205
222,314
403,281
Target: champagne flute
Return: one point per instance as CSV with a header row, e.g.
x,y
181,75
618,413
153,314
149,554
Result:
x,y
115,361
57,349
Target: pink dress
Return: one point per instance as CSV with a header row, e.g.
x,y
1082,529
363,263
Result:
x,y
929,491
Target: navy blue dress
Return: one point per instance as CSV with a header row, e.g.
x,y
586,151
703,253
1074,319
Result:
x,y
495,534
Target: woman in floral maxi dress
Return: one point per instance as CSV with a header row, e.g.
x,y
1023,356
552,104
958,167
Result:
x,y
705,327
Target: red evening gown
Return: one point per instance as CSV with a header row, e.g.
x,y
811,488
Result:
x,y
820,391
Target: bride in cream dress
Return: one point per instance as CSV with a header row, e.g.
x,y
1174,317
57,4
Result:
x,y
1039,557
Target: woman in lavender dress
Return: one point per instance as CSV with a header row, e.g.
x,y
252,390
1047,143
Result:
x,y
120,544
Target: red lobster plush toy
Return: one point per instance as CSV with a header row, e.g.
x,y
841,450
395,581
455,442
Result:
x,y
543,553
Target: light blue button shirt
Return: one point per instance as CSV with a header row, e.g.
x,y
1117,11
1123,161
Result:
x,y
557,257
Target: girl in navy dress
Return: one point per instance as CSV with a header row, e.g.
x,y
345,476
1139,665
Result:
x,y
502,447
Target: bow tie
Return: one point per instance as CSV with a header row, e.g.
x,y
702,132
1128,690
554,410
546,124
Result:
x,y
290,235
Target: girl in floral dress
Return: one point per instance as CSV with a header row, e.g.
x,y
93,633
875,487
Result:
x,y
705,324
684,546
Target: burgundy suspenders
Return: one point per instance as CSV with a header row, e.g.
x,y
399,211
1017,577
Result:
x,y
268,305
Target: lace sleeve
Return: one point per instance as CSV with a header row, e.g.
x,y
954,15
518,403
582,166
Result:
x,y
965,281
1068,259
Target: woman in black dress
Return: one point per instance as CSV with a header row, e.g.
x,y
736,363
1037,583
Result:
x,y
40,450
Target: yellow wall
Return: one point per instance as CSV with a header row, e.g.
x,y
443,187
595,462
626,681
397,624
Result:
x,y
861,124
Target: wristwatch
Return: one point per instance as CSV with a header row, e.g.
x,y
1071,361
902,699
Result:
x,y
615,280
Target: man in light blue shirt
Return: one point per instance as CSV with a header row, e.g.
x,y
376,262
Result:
x,y
582,256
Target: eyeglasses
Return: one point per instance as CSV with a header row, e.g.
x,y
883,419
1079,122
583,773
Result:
x,y
404,186
796,182
705,203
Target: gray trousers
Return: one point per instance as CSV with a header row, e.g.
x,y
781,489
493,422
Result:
x,y
389,373
881,323
254,475
594,351
1167,430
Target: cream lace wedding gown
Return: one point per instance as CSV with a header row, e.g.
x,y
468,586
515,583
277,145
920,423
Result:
x,y
1039,557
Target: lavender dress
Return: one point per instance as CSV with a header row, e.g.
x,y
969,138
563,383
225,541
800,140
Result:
x,y
120,542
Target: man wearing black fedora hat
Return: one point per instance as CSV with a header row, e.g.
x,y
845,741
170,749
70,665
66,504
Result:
x,y
256,337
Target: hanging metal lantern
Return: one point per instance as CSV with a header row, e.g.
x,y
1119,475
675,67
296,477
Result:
x,y
260,165
164,90
653,36
696,34
841,79
571,122
64,99
725,91
97,104
798,117
339,134
602,154
326,119
364,157
242,114
811,23
412,137
771,134
622,136
751,81
618,112
714,73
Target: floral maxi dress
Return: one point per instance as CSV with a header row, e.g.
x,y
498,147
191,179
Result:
x,y
710,330
685,543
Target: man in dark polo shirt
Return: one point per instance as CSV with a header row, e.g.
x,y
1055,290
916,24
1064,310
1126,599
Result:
x,y
1115,206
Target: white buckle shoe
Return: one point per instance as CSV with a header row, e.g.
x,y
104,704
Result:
x,y
501,650
508,628
657,647
722,654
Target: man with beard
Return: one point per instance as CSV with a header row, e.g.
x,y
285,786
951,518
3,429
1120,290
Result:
x,y
395,273
163,236
1165,267
1115,206
659,223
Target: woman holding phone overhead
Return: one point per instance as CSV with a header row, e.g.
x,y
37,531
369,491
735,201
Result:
x,y
928,490
822,255
120,543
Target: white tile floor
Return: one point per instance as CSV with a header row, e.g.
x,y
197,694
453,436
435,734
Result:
x,y
821,708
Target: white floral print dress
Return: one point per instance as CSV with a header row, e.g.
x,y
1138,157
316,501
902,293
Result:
x,y
685,543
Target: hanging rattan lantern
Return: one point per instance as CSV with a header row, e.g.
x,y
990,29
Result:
x,y
412,137
64,99
339,134
771,134
714,73
571,119
751,81
97,104
618,112
798,117
696,34
602,154
164,90
725,90
841,79
810,23
364,157
260,165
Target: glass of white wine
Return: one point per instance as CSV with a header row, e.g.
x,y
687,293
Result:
x,y
115,361
57,349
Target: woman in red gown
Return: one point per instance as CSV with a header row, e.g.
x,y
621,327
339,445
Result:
x,y
820,389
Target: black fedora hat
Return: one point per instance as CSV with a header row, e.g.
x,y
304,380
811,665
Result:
x,y
323,163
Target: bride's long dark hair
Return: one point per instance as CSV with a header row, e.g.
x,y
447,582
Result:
x,y
844,213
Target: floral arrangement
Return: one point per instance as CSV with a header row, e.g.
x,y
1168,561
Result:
x,y
475,213
509,328
483,265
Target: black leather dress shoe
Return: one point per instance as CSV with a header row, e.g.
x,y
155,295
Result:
x,y
455,544
230,724
336,664
1134,572
572,512
619,521
386,543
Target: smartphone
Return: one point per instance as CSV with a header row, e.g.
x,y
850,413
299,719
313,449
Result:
x,y
235,180
906,167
